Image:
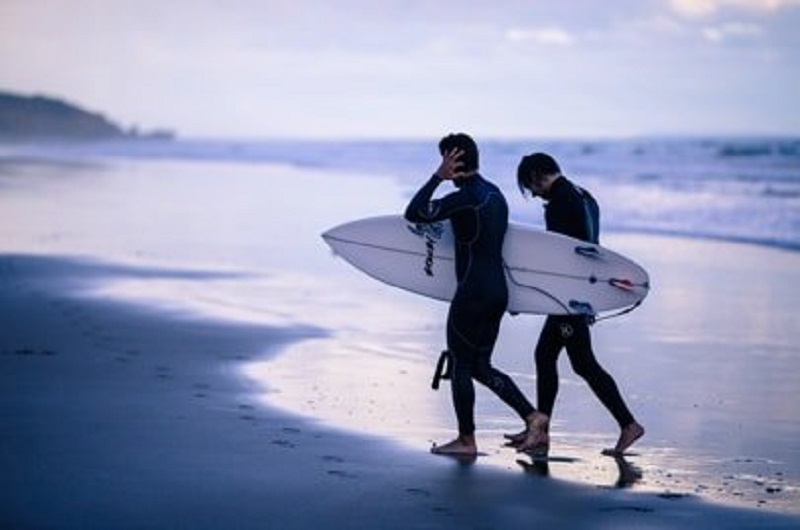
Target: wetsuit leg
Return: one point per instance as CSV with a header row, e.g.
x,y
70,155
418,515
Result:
x,y
463,390
461,386
472,332
584,363
546,355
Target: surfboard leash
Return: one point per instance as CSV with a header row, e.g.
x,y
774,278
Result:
x,y
443,369
591,315
620,313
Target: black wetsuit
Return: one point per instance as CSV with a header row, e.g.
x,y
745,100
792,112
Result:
x,y
566,213
478,214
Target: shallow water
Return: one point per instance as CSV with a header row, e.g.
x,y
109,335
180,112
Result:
x,y
709,363
704,365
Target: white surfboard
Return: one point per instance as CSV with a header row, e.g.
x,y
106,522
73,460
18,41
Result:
x,y
547,273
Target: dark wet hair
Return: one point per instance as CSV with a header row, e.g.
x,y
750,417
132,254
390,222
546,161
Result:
x,y
464,143
535,167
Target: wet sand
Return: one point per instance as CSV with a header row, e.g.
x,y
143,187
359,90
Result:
x,y
190,377
704,364
119,417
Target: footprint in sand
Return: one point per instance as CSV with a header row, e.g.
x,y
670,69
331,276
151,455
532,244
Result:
x,y
31,352
638,509
164,372
341,474
333,459
105,340
418,492
247,411
235,357
201,389
283,443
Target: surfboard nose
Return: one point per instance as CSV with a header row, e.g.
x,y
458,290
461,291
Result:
x,y
328,237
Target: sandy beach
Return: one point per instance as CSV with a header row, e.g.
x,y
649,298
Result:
x,y
206,363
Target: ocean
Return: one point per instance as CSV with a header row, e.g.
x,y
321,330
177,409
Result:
x,y
745,190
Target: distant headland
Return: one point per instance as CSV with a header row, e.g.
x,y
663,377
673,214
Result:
x,y
25,118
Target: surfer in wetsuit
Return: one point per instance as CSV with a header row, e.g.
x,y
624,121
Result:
x,y
572,211
478,214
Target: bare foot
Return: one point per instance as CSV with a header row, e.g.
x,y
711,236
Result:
x,y
515,439
627,437
537,438
461,446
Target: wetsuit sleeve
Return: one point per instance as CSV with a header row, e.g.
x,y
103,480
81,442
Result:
x,y
424,209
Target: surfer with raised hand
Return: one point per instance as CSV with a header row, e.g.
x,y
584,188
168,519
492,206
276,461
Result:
x,y
478,214
569,210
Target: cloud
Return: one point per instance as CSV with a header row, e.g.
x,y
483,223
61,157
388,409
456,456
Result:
x,y
544,36
359,67
703,8
736,30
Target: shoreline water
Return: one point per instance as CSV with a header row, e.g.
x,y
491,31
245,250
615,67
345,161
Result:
x,y
739,189
659,354
223,257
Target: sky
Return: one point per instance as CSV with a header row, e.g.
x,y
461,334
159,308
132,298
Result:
x,y
414,68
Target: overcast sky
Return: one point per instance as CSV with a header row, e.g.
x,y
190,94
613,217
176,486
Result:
x,y
414,68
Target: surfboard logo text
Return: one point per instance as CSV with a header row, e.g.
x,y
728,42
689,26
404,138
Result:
x,y
432,233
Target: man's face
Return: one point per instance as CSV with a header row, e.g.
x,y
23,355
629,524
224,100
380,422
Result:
x,y
536,187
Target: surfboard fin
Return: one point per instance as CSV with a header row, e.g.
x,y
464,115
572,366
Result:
x,y
588,252
585,309
621,283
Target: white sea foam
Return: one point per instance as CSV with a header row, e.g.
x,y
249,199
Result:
x,y
733,189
